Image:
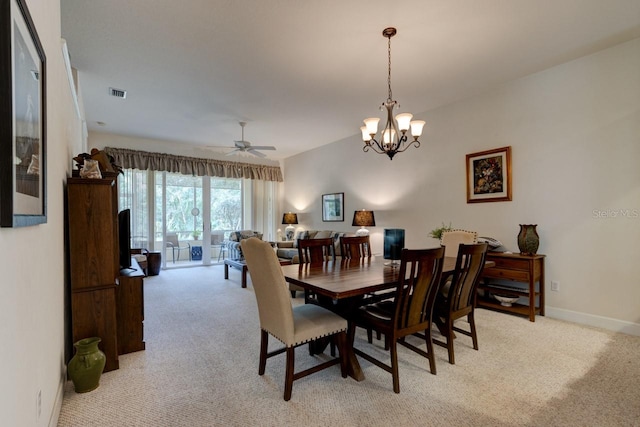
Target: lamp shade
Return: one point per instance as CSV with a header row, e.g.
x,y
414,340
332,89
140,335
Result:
x,y
393,243
290,218
363,218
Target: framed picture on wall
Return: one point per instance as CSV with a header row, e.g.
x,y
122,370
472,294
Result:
x,y
23,119
333,207
489,176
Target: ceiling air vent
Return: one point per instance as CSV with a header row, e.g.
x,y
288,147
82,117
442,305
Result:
x,y
118,93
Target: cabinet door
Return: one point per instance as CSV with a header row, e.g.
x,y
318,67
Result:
x,y
93,314
130,311
93,232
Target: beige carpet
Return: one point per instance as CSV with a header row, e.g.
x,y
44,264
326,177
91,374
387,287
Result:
x,y
200,368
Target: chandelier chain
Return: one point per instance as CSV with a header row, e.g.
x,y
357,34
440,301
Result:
x,y
389,74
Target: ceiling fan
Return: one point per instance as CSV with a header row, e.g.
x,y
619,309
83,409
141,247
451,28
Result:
x,y
246,147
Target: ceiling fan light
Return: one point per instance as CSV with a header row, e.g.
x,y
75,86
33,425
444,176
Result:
x,y
403,121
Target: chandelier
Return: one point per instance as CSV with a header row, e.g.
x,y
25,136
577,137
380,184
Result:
x,y
393,138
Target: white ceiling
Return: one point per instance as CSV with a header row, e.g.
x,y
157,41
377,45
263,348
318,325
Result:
x,y
305,73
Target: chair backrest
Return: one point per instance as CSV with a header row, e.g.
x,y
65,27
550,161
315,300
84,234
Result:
x,y
270,286
171,239
469,265
316,251
419,279
355,247
453,238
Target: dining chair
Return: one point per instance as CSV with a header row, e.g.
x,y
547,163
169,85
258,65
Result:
x,y
354,247
460,298
451,239
419,277
172,242
316,251
359,247
293,326
313,251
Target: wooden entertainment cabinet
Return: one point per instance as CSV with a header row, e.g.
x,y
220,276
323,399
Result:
x,y
105,302
527,269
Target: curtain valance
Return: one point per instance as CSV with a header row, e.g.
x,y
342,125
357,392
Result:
x,y
144,160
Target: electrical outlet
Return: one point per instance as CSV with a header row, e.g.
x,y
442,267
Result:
x,y
39,404
555,286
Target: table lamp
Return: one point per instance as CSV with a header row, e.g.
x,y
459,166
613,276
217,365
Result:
x,y
289,218
363,218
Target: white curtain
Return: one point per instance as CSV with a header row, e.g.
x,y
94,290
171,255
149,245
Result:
x,y
264,208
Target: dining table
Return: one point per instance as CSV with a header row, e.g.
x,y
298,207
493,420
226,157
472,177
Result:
x,y
342,285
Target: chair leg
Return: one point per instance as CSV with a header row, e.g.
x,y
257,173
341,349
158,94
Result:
x,y
264,340
369,335
288,381
450,336
394,365
293,294
472,325
431,356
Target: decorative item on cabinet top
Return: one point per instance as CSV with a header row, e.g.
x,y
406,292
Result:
x,y
105,161
528,239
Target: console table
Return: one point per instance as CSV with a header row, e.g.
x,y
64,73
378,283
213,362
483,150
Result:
x,y
527,269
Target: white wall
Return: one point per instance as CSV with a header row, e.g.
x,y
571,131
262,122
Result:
x,y
574,130
32,259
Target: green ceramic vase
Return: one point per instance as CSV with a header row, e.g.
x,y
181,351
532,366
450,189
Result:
x,y
86,366
528,239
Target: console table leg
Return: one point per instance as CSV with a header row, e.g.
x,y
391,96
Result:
x,y
226,271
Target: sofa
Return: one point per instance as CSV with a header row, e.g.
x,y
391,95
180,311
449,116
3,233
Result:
x,y
234,250
289,249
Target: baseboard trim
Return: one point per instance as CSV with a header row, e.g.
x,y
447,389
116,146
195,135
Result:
x,y
608,323
57,405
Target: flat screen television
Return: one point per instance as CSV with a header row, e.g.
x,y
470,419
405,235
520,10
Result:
x,y
393,243
124,238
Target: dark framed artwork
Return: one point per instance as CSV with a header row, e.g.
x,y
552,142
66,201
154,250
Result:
x,y
489,176
333,207
22,119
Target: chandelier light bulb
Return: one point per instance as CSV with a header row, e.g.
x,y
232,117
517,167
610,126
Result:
x,y
372,125
389,136
416,128
366,136
404,120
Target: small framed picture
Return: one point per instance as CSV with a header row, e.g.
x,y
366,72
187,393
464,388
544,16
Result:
x,y
333,207
489,176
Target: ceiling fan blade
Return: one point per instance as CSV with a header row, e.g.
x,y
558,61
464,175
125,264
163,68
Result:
x,y
256,153
219,146
263,147
232,152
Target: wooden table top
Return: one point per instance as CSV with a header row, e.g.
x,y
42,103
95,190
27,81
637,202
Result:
x,y
349,278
